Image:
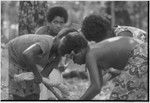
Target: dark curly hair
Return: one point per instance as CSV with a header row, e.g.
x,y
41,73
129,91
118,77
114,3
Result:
x,y
57,11
95,27
54,55
73,41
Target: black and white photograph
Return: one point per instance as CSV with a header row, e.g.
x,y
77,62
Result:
x,y
74,50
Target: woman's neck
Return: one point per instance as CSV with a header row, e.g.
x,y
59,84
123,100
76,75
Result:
x,y
86,51
51,31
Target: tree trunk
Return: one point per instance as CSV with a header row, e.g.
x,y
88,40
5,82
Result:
x,y
112,14
32,14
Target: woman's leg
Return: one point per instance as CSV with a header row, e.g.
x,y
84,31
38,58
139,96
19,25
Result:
x,y
16,97
30,97
33,97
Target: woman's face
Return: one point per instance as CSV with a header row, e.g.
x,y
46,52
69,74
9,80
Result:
x,y
79,56
57,24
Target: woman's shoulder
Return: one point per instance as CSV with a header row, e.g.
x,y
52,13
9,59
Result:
x,y
112,45
42,30
34,38
45,38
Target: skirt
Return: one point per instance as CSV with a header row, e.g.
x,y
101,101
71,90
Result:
x,y
22,88
132,83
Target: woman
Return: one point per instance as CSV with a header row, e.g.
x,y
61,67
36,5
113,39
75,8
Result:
x,y
119,53
25,52
19,63
57,16
97,28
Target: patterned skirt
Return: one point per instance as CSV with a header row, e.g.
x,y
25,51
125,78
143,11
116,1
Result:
x,y
132,83
22,88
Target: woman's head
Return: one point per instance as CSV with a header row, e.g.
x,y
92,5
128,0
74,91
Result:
x,y
74,43
57,16
57,11
95,27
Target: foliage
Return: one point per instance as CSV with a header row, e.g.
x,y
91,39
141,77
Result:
x,y
32,14
121,14
139,14
130,13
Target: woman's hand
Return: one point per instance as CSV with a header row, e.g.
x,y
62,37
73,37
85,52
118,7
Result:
x,y
37,78
110,74
106,77
27,76
24,76
64,63
49,86
114,73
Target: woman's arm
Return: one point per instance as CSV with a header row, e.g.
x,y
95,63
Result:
x,y
30,54
53,63
95,76
46,82
41,30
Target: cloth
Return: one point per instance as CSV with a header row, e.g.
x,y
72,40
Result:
x,y
131,84
22,88
136,33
